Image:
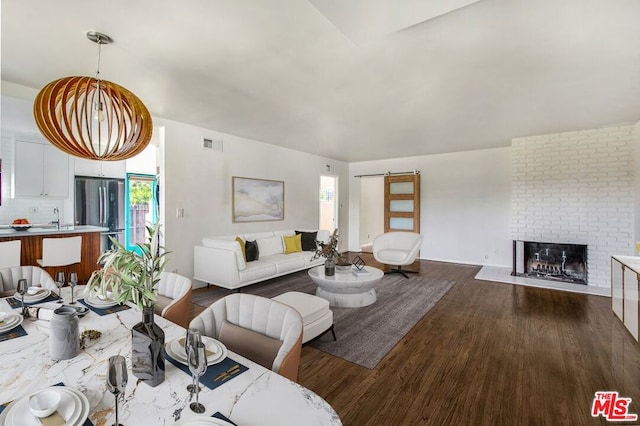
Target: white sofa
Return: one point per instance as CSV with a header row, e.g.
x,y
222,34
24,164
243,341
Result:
x,y
220,261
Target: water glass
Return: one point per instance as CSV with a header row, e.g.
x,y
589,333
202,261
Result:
x,y
73,282
22,290
59,284
193,338
117,380
197,357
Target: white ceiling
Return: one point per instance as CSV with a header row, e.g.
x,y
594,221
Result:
x,y
317,76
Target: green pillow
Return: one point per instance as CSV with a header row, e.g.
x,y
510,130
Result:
x,y
292,244
241,242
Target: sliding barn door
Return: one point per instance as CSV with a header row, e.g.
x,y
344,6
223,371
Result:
x,y
402,203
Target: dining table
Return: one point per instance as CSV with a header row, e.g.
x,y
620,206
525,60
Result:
x,y
254,396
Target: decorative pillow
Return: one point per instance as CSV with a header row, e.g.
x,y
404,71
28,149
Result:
x,y
241,242
308,240
292,244
251,251
271,245
250,344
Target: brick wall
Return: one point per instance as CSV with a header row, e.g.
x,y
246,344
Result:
x,y
577,188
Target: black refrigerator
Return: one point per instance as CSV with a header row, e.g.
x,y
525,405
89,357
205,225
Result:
x,y
101,202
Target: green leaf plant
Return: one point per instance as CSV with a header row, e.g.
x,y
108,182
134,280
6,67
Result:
x,y
131,276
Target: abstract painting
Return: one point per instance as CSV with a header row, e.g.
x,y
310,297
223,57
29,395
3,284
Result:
x,y
256,200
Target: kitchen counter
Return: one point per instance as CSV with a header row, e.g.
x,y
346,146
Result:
x,y
7,231
31,247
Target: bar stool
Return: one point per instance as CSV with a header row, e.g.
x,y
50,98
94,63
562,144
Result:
x,y
10,253
60,251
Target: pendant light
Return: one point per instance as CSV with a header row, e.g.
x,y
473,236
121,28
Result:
x,y
92,118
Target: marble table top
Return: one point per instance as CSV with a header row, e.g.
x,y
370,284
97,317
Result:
x,y
255,397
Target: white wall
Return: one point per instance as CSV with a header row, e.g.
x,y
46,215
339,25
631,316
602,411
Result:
x,y
636,171
577,188
465,204
198,180
371,208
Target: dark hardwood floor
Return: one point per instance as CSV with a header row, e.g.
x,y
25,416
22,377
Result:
x,y
487,354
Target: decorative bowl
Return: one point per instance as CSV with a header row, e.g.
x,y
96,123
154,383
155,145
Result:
x,y
343,268
20,227
44,403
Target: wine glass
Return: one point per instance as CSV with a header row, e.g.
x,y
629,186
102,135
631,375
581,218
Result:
x,y
22,290
73,282
197,357
59,284
117,379
193,337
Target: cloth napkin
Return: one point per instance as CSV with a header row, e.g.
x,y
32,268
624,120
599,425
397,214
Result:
x,y
106,311
216,374
12,334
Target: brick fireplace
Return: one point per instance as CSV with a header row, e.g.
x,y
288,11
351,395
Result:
x,y
550,261
576,187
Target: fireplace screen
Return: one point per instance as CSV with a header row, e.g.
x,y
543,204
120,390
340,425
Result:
x,y
560,262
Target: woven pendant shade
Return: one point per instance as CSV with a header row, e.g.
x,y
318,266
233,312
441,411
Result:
x,y
90,118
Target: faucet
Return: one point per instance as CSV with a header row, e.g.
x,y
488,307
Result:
x,y
56,211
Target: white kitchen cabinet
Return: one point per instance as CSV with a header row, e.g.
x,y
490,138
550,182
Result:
x,y
40,171
625,275
112,169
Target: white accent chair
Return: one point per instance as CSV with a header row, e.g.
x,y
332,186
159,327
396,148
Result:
x,y
61,251
262,317
397,249
10,253
35,277
174,298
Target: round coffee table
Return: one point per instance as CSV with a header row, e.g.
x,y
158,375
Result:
x,y
346,290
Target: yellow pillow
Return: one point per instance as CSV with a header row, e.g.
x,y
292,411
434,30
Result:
x,y
241,242
292,244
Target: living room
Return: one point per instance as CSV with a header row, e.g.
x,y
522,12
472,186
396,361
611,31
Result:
x,y
490,179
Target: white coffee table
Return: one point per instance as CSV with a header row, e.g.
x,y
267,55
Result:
x,y
346,290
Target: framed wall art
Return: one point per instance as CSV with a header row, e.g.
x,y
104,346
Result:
x,y
256,200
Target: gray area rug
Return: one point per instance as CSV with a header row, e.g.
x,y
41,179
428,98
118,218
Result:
x,y
365,335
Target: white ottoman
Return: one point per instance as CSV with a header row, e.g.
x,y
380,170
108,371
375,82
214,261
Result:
x,y
317,318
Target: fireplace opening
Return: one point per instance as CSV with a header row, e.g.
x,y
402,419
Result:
x,y
551,261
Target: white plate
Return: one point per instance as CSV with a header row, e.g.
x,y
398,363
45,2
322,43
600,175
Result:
x,y
10,322
202,421
176,350
41,295
74,408
100,304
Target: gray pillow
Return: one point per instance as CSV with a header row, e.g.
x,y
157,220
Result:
x,y
250,344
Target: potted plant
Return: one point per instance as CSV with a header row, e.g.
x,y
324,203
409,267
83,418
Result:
x,y
132,276
329,251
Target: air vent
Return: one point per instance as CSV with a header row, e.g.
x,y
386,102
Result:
x,y
214,144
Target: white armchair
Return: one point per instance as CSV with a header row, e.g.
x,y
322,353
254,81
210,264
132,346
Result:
x,y
266,331
397,249
174,298
34,275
